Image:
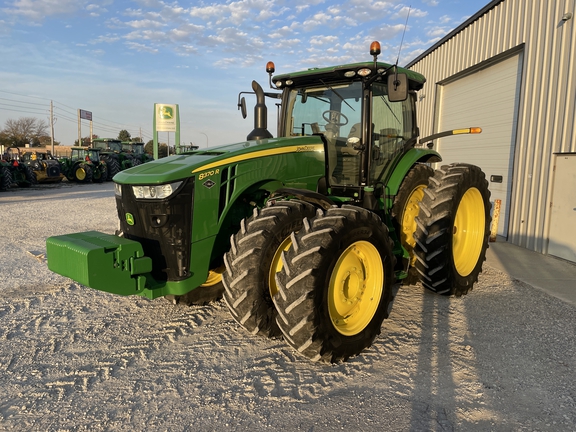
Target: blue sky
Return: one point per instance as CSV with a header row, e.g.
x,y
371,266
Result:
x,y
117,58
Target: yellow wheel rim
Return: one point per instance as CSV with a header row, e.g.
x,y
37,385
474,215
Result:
x,y
277,265
214,277
468,232
355,288
80,173
409,213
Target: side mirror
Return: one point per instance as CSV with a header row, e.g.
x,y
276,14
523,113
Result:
x,y
242,107
397,87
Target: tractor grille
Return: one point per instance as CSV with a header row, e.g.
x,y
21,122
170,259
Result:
x,y
227,185
162,227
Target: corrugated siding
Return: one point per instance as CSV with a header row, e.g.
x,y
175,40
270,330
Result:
x,y
547,111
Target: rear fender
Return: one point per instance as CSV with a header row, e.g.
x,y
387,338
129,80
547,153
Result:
x,y
411,158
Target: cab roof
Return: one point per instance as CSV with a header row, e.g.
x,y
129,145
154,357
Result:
x,y
336,73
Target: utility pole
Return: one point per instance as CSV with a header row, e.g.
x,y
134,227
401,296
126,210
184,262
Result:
x,y
52,127
79,130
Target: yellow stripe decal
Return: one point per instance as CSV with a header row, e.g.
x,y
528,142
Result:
x,y
262,153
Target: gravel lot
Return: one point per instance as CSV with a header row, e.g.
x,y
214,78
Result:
x,y
72,358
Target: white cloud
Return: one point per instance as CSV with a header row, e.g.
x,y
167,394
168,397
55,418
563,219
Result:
x,y
186,50
98,52
144,23
445,19
108,38
324,40
141,47
438,32
282,32
38,10
96,10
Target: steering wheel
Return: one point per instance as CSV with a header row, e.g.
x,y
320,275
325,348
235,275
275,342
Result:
x,y
333,114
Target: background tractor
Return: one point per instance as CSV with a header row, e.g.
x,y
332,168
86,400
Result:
x,y
19,173
111,152
84,166
46,168
308,235
136,149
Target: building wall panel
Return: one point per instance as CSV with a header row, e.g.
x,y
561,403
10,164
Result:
x,y
547,110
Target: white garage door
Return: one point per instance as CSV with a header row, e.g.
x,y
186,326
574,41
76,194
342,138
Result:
x,y
488,99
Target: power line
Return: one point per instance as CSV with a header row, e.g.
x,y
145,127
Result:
x,y
106,125
25,110
18,94
67,113
17,101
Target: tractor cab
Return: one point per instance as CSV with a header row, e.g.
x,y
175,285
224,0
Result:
x,y
107,144
361,138
365,114
90,155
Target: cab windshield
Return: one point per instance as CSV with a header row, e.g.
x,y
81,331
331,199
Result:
x,y
336,112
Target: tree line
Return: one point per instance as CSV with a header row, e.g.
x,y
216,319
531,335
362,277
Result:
x,y
25,130
34,132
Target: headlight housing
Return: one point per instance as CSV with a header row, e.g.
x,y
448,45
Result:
x,y
155,191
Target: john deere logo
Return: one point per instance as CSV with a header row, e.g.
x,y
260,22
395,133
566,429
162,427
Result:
x,y
129,219
166,112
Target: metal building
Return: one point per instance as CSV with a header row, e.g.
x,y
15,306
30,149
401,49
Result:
x,y
511,69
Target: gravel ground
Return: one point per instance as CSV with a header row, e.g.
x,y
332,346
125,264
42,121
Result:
x,y
72,358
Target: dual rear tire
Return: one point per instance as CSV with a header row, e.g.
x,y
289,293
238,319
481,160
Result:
x,y
405,210
452,229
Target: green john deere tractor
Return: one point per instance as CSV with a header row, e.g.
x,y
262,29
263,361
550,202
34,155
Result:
x,y
84,166
14,170
136,149
309,234
116,158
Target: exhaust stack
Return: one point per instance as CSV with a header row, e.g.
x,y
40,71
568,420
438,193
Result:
x,y
260,116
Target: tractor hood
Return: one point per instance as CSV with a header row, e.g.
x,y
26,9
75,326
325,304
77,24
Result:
x,y
178,167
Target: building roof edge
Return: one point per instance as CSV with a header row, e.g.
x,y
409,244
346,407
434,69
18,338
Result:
x,y
457,30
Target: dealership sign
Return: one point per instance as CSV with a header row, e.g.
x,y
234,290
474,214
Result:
x,y
166,117
86,115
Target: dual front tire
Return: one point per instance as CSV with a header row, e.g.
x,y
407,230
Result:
x,y
323,280
254,259
336,286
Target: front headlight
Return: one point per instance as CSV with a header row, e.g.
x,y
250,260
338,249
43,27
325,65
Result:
x,y
118,189
155,192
